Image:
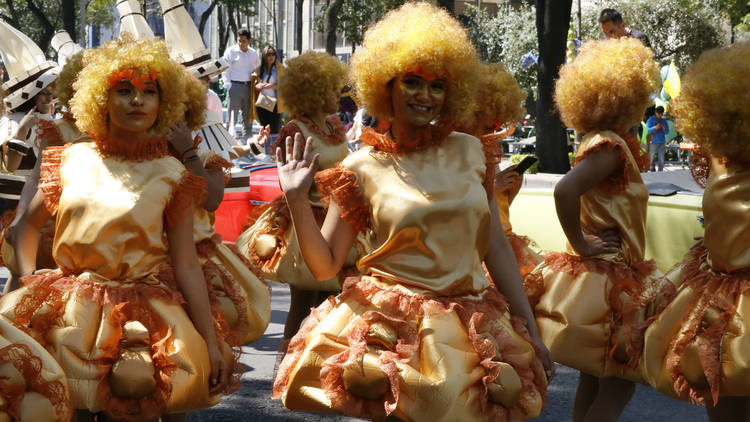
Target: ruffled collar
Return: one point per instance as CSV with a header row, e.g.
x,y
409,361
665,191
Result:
x,y
148,149
337,135
634,145
427,137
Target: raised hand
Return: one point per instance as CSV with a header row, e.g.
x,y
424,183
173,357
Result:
x,y
601,243
297,165
509,180
265,131
26,124
179,137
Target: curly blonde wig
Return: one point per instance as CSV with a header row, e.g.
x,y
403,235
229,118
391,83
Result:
x,y
713,108
499,97
89,103
416,35
68,75
310,81
195,102
608,86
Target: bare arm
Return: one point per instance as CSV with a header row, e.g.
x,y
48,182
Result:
x,y
503,268
192,285
594,169
24,237
325,249
179,137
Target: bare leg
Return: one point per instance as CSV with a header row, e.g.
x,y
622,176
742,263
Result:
x,y
612,396
299,308
734,409
585,396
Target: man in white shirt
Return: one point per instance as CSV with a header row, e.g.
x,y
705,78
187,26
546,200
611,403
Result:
x,y
243,61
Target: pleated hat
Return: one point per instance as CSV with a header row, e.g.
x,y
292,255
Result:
x,y
185,42
29,71
64,46
132,20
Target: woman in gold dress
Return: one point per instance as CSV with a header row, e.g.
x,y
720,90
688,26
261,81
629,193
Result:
x,y
309,89
500,102
590,301
697,349
126,314
422,335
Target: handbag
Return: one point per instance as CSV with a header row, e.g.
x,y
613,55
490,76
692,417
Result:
x,y
265,102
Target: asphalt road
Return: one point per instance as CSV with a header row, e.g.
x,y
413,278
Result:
x,y
252,402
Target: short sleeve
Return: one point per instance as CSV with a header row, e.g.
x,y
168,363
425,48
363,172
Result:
x,y
618,182
341,185
49,177
214,162
190,189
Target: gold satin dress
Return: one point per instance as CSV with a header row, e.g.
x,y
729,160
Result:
x,y
270,242
33,387
111,314
422,335
592,311
699,348
236,289
528,255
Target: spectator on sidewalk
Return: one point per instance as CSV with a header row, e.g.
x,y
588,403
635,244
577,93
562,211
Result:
x,y
657,127
243,60
613,26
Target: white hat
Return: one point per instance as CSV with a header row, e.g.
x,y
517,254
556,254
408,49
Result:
x,y
29,72
65,47
132,20
185,43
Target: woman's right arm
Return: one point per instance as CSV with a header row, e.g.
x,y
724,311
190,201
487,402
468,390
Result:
x,y
24,236
324,249
588,173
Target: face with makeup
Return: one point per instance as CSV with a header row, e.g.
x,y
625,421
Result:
x,y
417,99
132,109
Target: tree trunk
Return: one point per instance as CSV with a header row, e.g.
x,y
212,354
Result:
x,y
330,23
69,9
223,33
449,5
232,20
298,25
204,19
13,18
552,23
47,27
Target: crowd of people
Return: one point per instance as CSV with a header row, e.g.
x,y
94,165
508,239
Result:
x,y
411,296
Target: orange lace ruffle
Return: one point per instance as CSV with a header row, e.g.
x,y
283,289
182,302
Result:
x,y
716,291
190,189
30,366
341,184
526,260
642,158
427,137
398,310
635,281
217,162
700,167
48,130
493,153
130,302
614,184
49,177
132,150
336,137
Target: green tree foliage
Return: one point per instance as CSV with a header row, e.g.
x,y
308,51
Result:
x,y
506,37
679,30
356,15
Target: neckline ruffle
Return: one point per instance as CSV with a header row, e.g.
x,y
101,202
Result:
x,y
337,135
149,149
430,136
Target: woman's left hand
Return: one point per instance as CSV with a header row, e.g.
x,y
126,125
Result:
x,y
509,180
297,165
179,137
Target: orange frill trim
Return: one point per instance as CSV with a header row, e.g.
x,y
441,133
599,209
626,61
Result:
x,y
48,130
716,290
129,301
219,163
635,281
427,137
49,177
341,184
5,220
700,167
30,366
399,310
191,189
642,158
132,150
526,261
614,184
336,137
493,154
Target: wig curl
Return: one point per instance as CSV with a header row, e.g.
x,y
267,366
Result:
x,y
89,103
68,75
416,34
499,97
608,86
713,108
195,102
310,81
